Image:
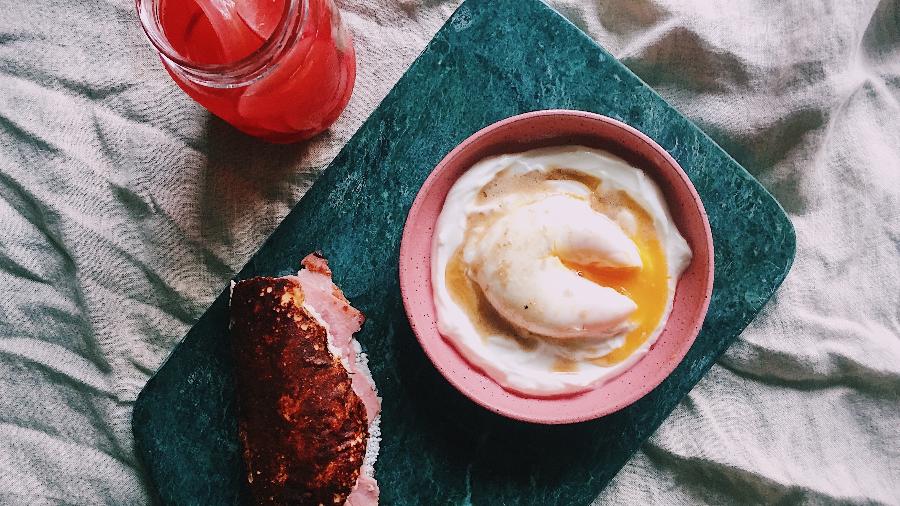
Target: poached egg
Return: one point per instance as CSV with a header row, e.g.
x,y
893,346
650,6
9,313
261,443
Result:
x,y
555,269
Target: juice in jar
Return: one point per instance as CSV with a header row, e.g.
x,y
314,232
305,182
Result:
x,y
282,70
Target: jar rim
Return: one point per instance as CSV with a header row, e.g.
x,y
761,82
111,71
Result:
x,y
225,75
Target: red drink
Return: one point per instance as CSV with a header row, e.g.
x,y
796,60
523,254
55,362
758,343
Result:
x,y
282,70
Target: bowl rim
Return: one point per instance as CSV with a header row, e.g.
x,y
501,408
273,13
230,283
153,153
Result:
x,y
687,336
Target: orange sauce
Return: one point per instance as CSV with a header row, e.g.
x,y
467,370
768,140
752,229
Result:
x,y
468,295
565,365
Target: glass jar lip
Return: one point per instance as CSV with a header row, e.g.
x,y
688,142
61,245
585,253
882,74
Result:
x,y
225,75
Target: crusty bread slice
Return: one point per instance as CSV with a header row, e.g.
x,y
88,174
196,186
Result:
x,y
306,435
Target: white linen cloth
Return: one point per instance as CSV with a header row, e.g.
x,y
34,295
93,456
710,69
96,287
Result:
x,y
124,210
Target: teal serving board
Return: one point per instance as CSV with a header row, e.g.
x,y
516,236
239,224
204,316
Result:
x,y
493,59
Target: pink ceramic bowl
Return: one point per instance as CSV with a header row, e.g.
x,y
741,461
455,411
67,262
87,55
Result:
x,y
541,129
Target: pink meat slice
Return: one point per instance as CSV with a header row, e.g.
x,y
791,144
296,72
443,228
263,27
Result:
x,y
365,493
343,321
328,300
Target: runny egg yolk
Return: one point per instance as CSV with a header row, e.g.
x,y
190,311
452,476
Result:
x,y
647,287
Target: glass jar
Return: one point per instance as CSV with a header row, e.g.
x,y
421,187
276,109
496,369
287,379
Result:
x,y
282,70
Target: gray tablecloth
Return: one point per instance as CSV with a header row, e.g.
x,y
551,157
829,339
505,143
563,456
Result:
x,y
125,208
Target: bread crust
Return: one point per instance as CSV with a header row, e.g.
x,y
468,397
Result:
x,y
302,427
